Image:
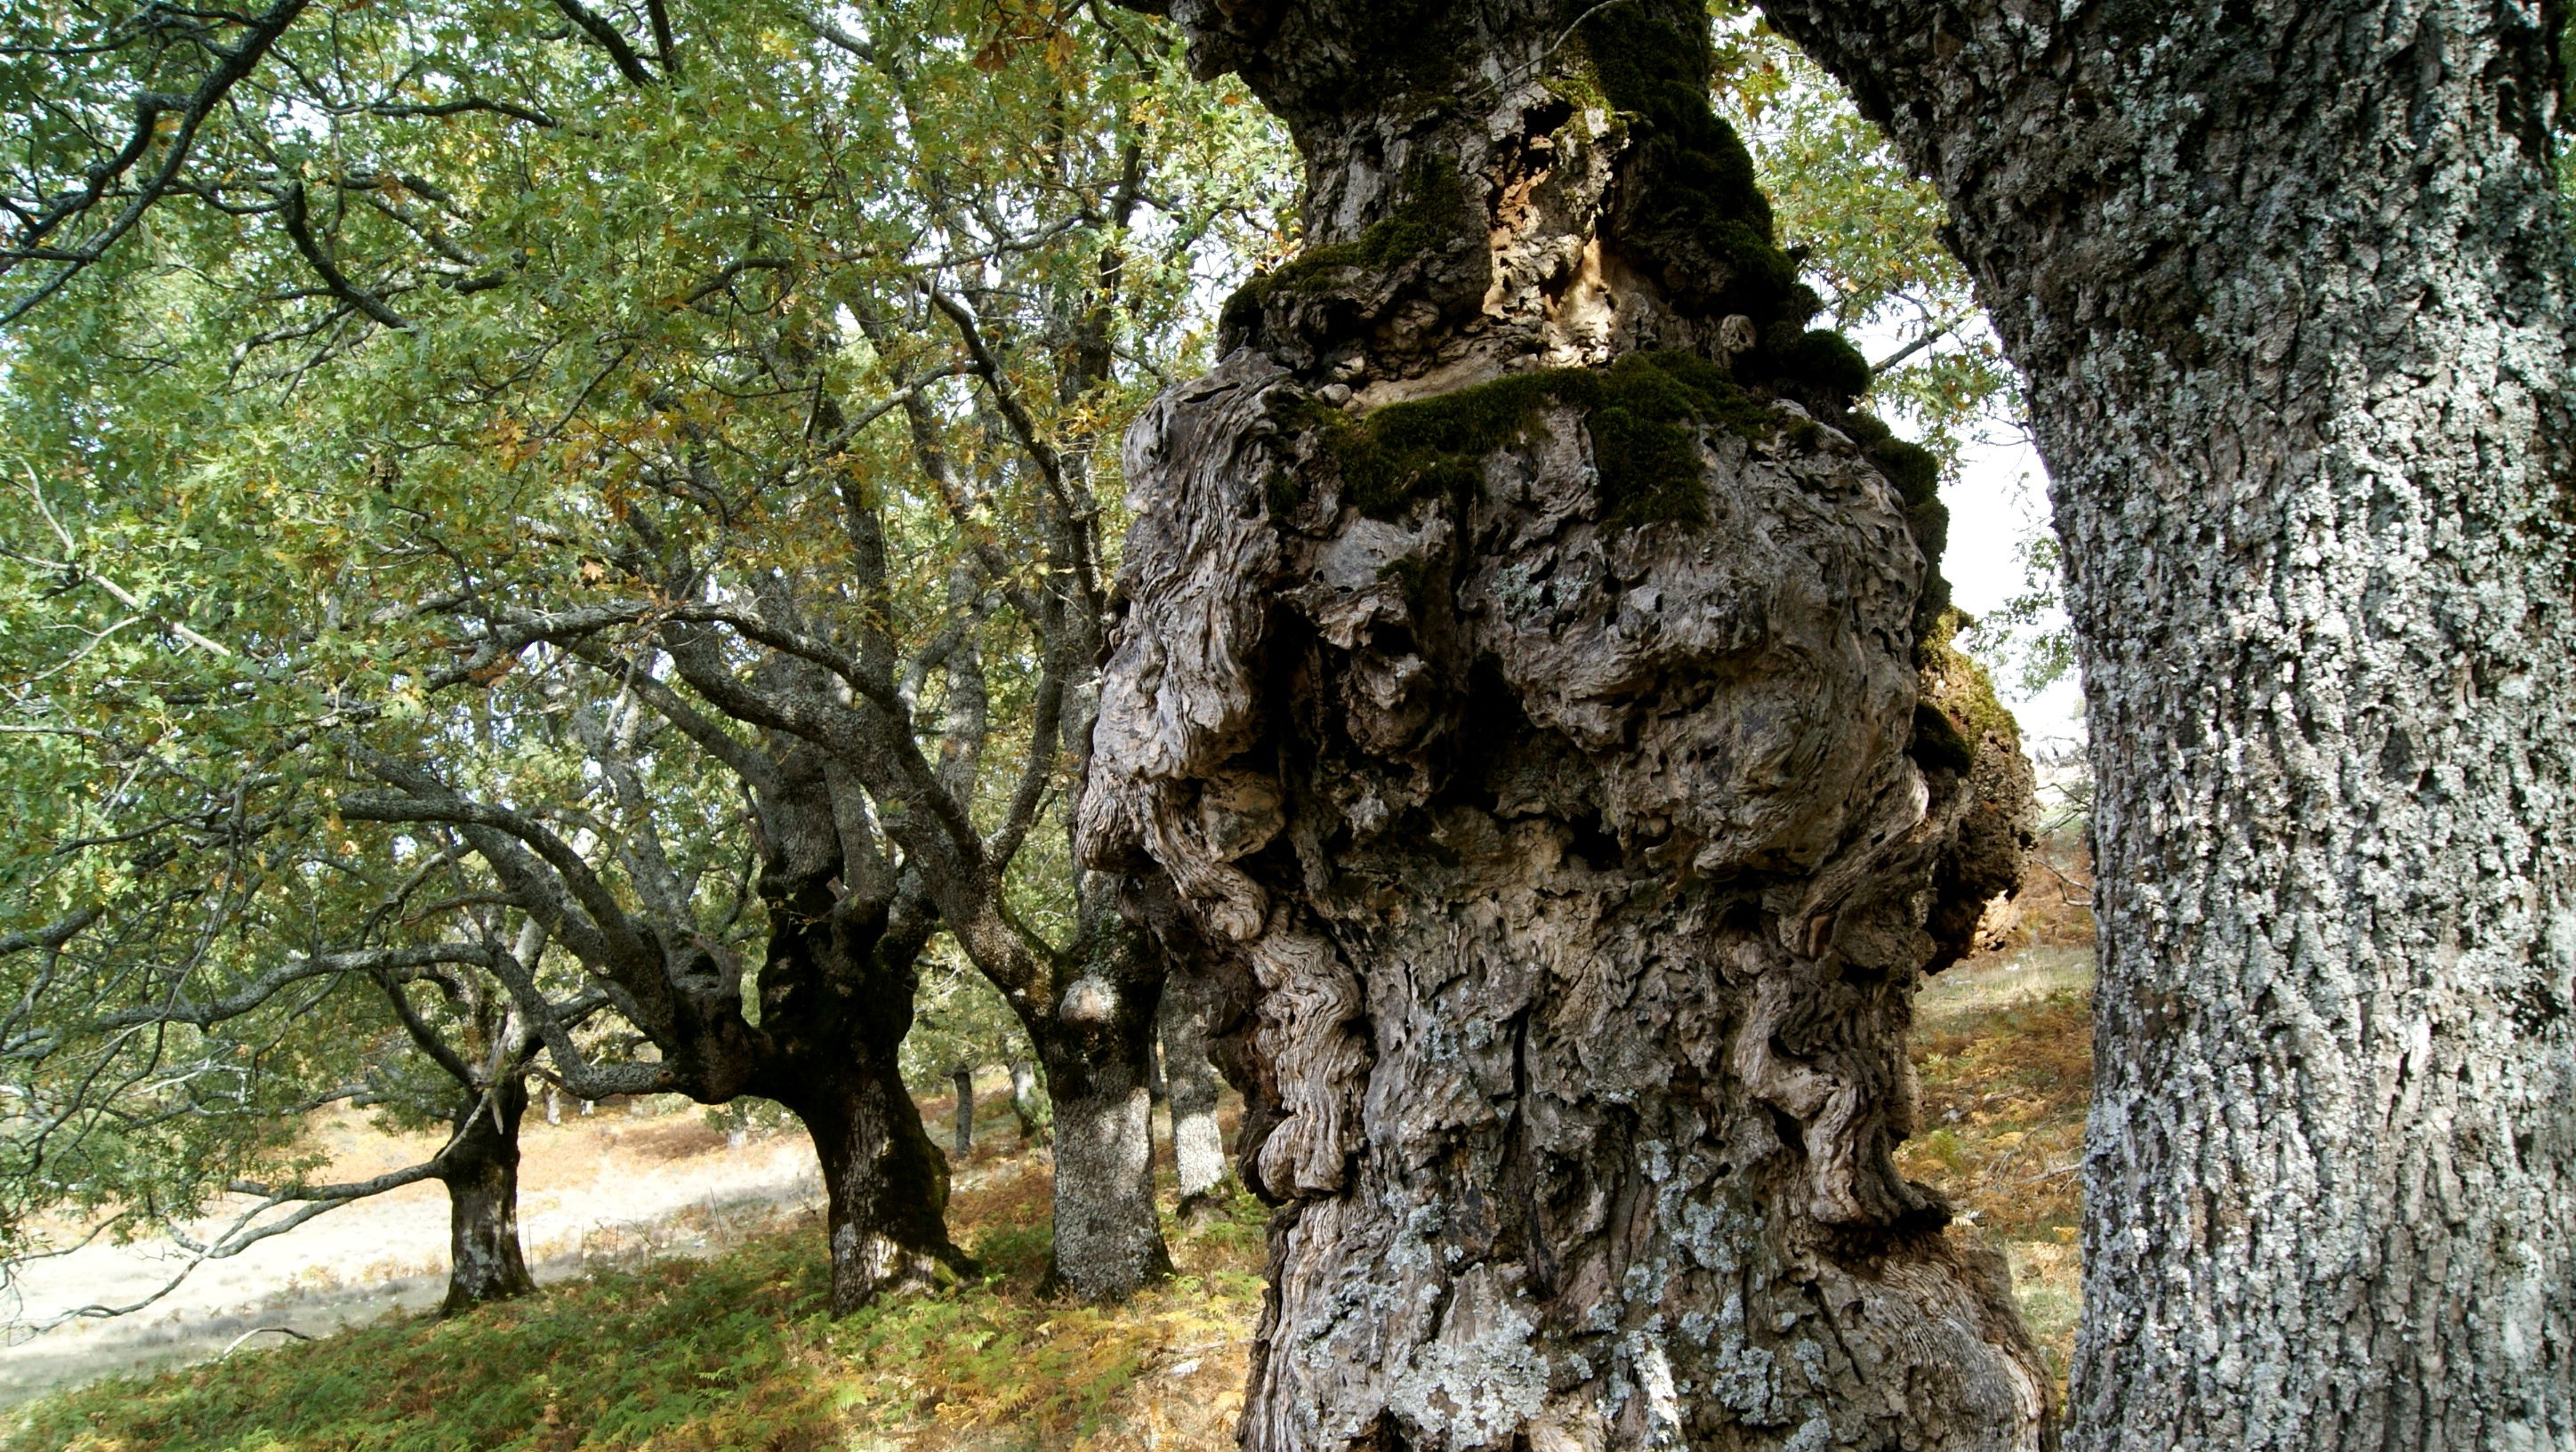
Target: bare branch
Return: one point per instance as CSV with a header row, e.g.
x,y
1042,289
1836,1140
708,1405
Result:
x,y
596,26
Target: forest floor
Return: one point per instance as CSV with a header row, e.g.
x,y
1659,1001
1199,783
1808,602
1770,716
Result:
x,y
700,1324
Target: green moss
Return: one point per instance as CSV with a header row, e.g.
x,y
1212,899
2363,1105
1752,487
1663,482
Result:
x,y
1959,687
1826,362
1643,413
1431,208
1695,206
1283,494
1917,477
1938,742
1695,189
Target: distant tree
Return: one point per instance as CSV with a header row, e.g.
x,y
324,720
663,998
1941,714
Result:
x,y
785,501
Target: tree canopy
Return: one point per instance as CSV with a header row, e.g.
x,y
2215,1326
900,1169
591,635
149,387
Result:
x,y
485,465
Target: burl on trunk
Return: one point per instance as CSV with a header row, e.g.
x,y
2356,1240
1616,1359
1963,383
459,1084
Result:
x,y
1520,686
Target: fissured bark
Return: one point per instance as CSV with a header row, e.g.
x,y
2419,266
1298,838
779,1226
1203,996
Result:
x,y
1097,1048
2290,285
1198,1146
1520,694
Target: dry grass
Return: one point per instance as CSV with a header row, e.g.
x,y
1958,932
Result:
x,y
735,1352
2003,1051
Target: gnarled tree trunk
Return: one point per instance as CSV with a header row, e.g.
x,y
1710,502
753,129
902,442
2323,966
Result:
x,y
1521,688
885,1185
481,1171
2290,285
836,998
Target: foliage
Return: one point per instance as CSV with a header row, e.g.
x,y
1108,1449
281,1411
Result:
x,y
959,1020
733,1352
461,351
2026,641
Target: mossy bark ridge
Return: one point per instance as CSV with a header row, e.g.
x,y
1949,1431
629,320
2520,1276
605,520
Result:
x,y
1520,711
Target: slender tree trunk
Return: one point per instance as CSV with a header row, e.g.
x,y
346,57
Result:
x,y
1098,1052
484,1262
1198,1148
964,1078
1025,1100
2290,286
1521,682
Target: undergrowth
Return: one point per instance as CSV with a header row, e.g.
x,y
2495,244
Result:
x,y
736,1353
2000,1131
732,1354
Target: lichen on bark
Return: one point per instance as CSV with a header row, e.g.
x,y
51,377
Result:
x,y
2290,284
1519,708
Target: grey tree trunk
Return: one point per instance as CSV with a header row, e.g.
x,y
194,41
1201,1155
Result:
x,y
1098,1050
1198,1147
1027,1104
481,1172
1520,690
885,1187
964,1140
2291,289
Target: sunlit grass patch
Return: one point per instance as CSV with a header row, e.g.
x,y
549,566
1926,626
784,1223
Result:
x,y
2003,1054
734,1354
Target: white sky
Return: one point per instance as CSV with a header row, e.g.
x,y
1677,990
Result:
x,y
1999,499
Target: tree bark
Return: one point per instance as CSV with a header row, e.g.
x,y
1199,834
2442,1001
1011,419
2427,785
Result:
x,y
836,996
481,1172
1025,1100
1520,687
885,1187
2290,287
1098,1053
964,1079
1198,1147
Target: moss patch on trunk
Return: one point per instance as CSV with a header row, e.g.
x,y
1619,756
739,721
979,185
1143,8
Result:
x,y
1643,412
1432,207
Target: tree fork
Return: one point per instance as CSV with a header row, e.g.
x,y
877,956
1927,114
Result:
x,y
1521,692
